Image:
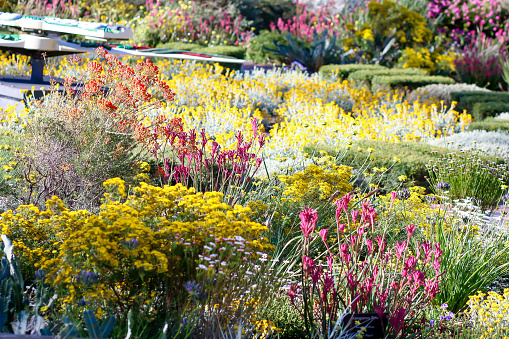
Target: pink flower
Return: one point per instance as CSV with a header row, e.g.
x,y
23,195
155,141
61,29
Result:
x,y
380,309
369,245
292,291
323,234
426,245
400,248
394,195
308,219
308,265
341,228
410,230
397,319
330,261
381,244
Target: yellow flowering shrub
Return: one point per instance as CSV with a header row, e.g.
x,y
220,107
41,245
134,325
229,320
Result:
x,y
491,312
433,63
149,241
318,182
411,27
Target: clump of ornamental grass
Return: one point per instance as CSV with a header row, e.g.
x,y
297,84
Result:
x,y
76,138
467,174
474,253
363,273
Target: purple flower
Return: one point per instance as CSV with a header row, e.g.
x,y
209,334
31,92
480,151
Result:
x,y
443,186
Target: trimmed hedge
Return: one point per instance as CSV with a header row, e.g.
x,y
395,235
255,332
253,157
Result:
x,y
179,46
229,51
343,71
489,124
482,110
409,81
368,75
463,95
466,100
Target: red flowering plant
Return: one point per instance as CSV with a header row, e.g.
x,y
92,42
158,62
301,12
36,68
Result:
x,y
363,274
195,161
76,138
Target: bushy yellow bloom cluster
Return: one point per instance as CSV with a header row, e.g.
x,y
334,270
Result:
x,y
491,312
318,182
151,232
431,62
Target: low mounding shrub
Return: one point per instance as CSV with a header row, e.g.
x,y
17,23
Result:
x,y
229,51
369,74
464,96
440,92
167,253
490,124
343,71
408,81
257,47
179,46
481,110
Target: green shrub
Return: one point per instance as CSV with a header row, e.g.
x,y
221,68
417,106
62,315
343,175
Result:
x,y
409,81
490,124
368,75
179,46
257,51
343,71
461,96
481,110
228,51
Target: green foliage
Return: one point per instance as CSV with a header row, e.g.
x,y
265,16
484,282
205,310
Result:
x,y
409,81
286,318
490,124
482,110
96,330
263,12
323,51
466,99
462,96
12,300
258,52
228,51
369,74
343,71
179,46
471,263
